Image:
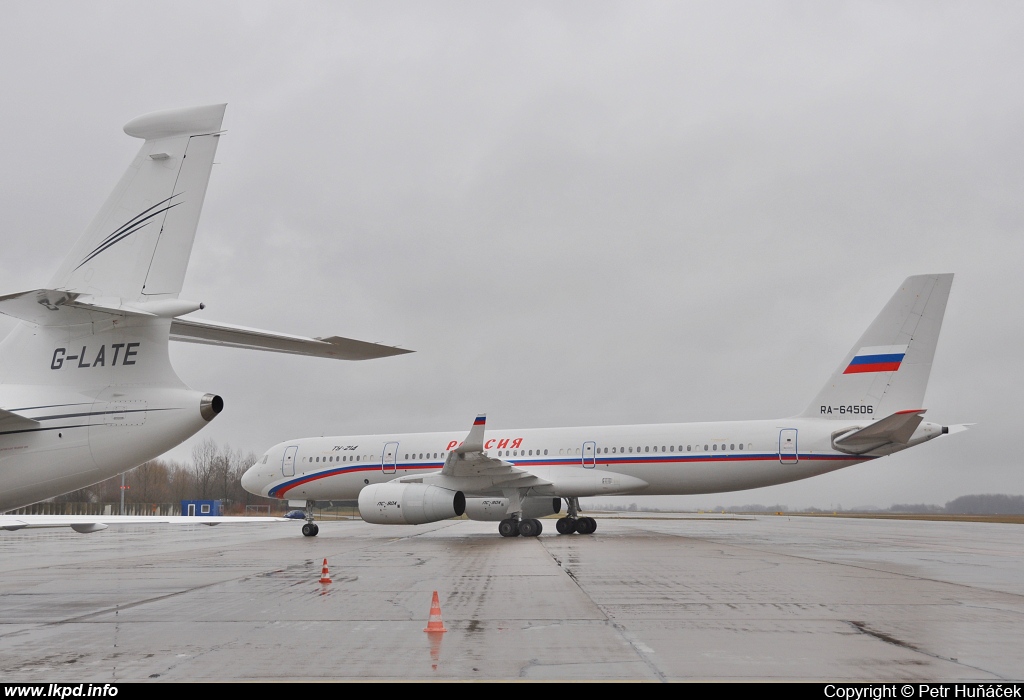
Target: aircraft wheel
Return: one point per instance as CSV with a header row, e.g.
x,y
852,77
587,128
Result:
x,y
529,527
310,530
586,526
592,527
565,526
508,528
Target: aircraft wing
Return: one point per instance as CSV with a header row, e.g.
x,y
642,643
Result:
x,y
94,523
211,333
896,428
468,468
469,458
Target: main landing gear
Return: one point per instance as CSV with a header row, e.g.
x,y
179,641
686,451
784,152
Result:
x,y
517,526
310,529
513,527
573,522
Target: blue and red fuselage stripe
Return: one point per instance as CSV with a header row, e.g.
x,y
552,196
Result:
x,y
282,489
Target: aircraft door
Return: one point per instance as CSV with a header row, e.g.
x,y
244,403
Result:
x,y
389,458
288,460
589,454
788,453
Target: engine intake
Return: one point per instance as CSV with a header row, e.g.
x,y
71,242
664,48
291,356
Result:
x,y
409,504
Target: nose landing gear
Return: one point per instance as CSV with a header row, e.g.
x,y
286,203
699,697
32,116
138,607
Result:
x,y
310,529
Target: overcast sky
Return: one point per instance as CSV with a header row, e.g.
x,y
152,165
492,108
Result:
x,y
576,213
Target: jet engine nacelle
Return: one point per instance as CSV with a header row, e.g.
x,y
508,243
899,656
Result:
x,y
495,509
409,504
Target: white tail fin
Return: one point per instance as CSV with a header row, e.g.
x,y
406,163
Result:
x,y
887,370
138,246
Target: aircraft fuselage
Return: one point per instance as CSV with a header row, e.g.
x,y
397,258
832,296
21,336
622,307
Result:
x,y
660,459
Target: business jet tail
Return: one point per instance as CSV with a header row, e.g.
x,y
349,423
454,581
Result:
x,y
115,296
137,248
886,371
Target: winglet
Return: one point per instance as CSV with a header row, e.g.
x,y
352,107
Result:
x,y
474,442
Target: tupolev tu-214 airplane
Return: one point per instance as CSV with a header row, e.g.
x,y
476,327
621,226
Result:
x,y
87,390
870,407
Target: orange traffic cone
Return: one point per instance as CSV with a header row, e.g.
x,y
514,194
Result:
x,y
435,624
325,575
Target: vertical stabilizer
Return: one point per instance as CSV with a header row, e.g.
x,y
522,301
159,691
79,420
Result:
x,y
887,370
137,248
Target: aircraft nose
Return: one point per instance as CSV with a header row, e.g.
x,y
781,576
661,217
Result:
x,y
250,480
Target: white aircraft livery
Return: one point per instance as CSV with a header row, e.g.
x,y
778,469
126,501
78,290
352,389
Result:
x,y
87,390
869,408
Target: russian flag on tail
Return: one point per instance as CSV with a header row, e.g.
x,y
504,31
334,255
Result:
x,y
882,358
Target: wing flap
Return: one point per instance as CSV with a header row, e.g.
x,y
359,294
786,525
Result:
x,y
223,334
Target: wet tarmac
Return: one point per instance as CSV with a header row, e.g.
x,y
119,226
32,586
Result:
x,y
669,598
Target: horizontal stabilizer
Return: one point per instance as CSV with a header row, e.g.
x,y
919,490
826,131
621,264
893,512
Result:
x,y
896,428
53,307
211,333
44,307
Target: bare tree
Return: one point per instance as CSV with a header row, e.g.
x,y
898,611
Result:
x,y
206,460
149,483
181,482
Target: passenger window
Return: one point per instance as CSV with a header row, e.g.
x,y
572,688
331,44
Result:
x,y
705,448
545,451
732,446
714,447
647,449
687,448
